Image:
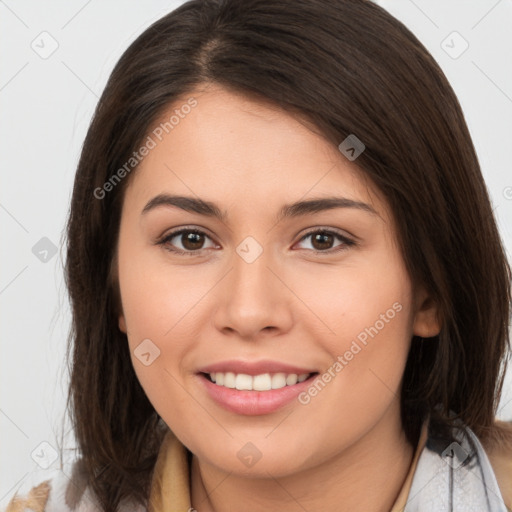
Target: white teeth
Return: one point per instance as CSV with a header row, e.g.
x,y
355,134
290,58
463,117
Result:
x,y
278,381
229,380
263,382
291,379
243,381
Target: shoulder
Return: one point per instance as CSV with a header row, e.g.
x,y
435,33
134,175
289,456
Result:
x,y
56,490
499,452
59,490
35,492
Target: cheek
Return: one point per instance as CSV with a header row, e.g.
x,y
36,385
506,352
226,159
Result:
x,y
159,316
162,308
365,328
368,313
357,301
157,299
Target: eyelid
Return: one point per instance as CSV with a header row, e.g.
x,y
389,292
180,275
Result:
x,y
191,227
330,229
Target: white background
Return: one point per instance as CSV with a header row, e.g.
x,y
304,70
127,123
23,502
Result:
x,y
46,106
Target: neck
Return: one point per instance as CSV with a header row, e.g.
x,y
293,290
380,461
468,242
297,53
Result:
x,y
366,476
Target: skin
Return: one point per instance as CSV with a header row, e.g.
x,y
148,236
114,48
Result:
x,y
291,305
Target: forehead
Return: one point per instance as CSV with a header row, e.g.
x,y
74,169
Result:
x,y
244,152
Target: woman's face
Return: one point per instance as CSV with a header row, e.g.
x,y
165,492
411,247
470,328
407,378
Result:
x,y
267,289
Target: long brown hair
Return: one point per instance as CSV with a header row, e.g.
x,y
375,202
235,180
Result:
x,y
349,67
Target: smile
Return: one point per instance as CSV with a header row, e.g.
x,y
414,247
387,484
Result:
x,y
243,393
262,382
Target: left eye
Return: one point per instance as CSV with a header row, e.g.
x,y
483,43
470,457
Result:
x,y
322,240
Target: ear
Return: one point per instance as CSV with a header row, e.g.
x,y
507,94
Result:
x,y
114,283
122,323
427,316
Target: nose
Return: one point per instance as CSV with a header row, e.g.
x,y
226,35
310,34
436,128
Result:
x,y
253,301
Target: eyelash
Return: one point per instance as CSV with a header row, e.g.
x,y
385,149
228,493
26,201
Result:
x,y
346,241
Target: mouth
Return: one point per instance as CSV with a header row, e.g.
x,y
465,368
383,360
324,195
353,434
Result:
x,y
253,395
262,382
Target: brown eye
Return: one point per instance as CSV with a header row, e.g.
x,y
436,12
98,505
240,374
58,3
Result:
x,y
323,241
191,241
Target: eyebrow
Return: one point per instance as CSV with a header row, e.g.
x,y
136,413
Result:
x,y
209,209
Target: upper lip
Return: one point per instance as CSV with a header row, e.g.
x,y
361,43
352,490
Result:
x,y
254,367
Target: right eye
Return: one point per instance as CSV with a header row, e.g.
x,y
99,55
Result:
x,y
191,240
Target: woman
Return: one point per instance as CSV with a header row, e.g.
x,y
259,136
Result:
x,y
288,287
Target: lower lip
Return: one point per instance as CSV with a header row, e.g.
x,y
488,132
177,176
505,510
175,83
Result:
x,y
253,403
